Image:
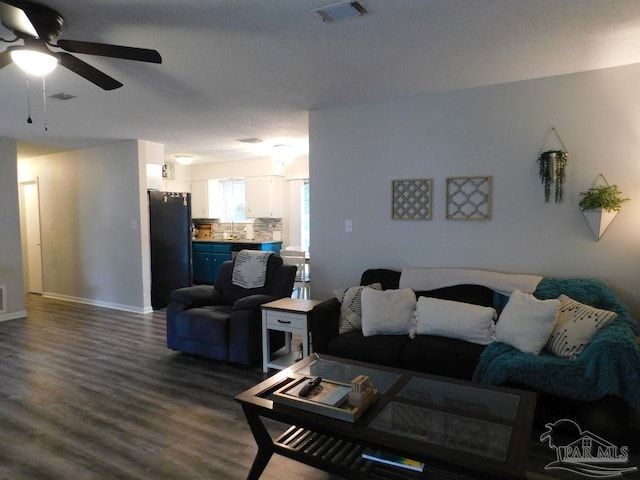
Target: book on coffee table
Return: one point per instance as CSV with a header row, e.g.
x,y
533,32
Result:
x,y
390,459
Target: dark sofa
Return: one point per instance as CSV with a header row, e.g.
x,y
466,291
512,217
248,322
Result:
x,y
608,414
444,356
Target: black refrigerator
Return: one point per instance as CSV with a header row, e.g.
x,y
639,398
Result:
x,y
170,235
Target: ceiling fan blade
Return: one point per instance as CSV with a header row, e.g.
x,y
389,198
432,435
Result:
x,y
30,19
5,59
16,19
85,70
115,51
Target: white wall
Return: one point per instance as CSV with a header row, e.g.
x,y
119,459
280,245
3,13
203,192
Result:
x,y
11,277
92,231
356,151
150,154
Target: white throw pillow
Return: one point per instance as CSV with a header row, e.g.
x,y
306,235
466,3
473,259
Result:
x,y
387,312
527,322
576,326
351,307
446,318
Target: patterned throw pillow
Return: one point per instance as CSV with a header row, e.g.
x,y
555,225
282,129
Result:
x,y
576,326
351,307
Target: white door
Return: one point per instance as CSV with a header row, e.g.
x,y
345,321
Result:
x,y
32,222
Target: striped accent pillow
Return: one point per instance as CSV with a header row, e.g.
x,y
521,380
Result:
x,y
577,324
351,307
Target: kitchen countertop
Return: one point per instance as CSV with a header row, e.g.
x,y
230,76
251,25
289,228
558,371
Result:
x,y
256,242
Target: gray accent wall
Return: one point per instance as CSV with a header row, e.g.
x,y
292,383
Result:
x,y
11,278
94,224
357,150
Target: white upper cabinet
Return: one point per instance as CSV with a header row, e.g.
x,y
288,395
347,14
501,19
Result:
x,y
263,196
204,203
199,199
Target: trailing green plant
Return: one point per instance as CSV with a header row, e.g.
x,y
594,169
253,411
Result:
x,y
606,197
551,169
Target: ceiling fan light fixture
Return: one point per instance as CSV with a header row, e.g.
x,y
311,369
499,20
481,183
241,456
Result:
x,y
183,159
34,62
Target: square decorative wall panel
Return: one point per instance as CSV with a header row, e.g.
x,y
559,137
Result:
x,y
411,199
469,198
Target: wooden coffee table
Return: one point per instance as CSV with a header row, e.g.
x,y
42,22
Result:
x,y
460,430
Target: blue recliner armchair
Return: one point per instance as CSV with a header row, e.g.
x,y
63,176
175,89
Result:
x,y
224,321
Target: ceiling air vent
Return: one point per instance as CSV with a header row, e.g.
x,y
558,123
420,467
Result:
x,y
341,11
250,140
62,96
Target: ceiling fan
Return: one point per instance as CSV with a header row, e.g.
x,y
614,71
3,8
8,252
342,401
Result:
x,y
38,26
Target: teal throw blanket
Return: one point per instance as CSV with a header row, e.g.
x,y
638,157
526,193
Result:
x,y
610,365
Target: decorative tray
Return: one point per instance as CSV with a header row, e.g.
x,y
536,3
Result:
x,y
330,399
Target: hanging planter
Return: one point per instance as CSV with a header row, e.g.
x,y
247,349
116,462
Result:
x,y
551,169
600,205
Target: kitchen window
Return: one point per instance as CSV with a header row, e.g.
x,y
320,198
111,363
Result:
x,y
232,196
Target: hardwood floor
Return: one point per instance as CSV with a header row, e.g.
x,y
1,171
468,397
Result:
x,y
93,393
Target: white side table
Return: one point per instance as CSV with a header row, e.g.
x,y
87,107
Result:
x,y
289,315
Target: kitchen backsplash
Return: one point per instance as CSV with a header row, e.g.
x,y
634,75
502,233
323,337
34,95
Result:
x,y
262,229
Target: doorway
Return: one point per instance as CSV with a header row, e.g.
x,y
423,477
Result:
x,y
31,202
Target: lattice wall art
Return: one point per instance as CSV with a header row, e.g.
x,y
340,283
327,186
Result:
x,y
469,198
411,199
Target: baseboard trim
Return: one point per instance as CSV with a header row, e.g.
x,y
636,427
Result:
x,y
5,317
97,303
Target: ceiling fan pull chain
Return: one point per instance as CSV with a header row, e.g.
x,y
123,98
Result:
x,y
44,101
28,102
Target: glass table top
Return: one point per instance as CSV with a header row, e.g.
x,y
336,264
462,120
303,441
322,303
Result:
x,y
457,432
452,415
468,399
345,372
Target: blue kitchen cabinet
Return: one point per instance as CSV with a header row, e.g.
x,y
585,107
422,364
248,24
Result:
x,y
209,256
207,259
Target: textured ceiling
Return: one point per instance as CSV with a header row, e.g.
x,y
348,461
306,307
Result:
x,y
254,68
